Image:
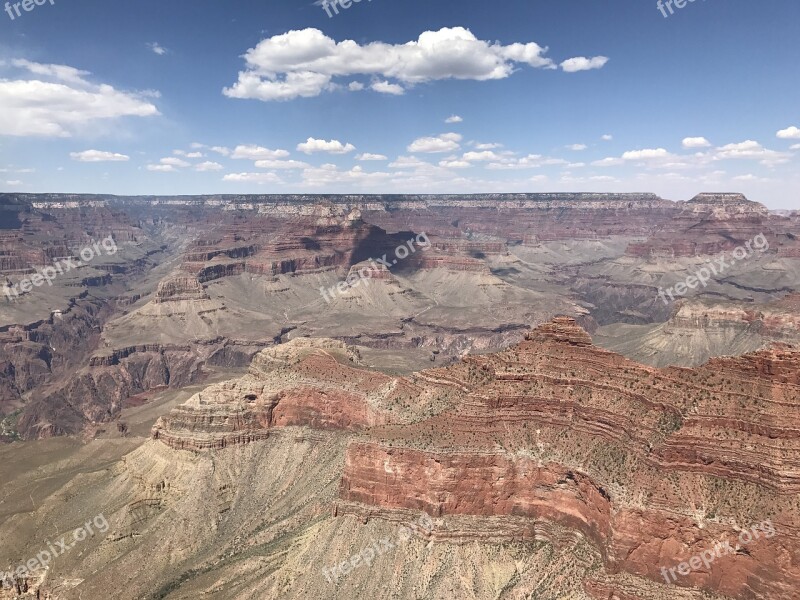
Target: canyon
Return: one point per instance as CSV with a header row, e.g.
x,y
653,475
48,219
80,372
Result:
x,y
519,381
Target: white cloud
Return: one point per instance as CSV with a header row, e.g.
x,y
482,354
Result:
x,y
355,86
406,162
14,182
155,47
252,178
607,137
197,146
385,87
581,63
328,175
281,164
446,142
187,154
174,162
208,166
652,157
485,155
750,149
369,156
63,73
487,146
531,161
253,152
794,147
454,164
577,147
161,168
98,156
646,154
453,119
312,145
59,108
304,63
221,150
608,162
695,142
790,133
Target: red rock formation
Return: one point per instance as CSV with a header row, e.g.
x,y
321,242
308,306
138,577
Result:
x,y
558,430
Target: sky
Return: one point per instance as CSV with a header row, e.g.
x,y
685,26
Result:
x,y
401,96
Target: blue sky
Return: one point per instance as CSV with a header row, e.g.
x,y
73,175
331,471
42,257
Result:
x,y
200,96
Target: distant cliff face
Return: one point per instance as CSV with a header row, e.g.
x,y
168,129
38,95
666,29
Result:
x,y
498,263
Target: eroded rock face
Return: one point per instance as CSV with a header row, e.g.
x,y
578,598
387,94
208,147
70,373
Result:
x,y
180,287
653,466
97,393
299,383
631,456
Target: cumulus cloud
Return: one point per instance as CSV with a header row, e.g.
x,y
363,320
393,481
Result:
x,y
58,100
355,86
208,166
253,152
158,49
385,87
453,119
485,155
531,161
750,149
281,164
454,164
98,156
369,156
790,133
174,162
406,162
187,154
695,142
161,168
651,156
312,145
252,178
607,137
646,154
221,150
577,147
328,175
581,63
305,63
446,142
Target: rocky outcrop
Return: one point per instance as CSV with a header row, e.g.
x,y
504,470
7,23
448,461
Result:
x,y
97,394
556,429
301,383
179,287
